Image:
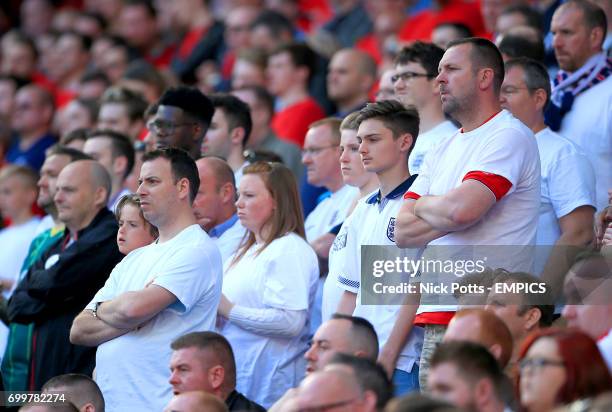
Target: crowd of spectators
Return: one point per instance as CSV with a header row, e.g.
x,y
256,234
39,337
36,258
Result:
x,y
195,196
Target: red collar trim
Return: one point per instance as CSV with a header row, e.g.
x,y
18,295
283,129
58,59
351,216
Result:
x,y
483,123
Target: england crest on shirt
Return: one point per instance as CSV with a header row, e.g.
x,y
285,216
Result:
x,y
391,229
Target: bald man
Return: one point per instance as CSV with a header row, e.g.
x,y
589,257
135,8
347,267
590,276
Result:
x,y
334,388
65,278
214,206
482,327
351,76
196,401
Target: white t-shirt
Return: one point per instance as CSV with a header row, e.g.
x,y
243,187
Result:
x,y
132,370
330,212
283,276
14,245
589,125
372,222
502,146
568,182
426,141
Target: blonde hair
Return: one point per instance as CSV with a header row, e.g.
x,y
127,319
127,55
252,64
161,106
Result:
x,y
134,200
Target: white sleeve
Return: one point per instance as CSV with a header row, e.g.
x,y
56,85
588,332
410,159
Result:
x,y
571,184
508,155
269,321
291,269
190,273
348,252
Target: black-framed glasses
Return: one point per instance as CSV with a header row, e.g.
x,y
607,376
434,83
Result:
x,y
408,75
327,406
159,126
539,363
316,150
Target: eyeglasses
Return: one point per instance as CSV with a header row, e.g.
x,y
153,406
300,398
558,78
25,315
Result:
x,y
158,126
315,150
326,407
539,363
408,75
512,89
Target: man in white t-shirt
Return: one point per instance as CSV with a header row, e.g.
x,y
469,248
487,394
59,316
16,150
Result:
x,y
581,100
156,293
229,131
480,186
215,205
415,84
386,134
568,179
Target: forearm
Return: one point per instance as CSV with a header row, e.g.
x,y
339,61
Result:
x,y
401,329
88,330
120,312
439,213
269,321
412,231
347,304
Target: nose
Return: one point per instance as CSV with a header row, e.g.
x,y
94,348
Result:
x,y
311,353
306,158
502,98
239,203
363,148
441,77
344,157
173,378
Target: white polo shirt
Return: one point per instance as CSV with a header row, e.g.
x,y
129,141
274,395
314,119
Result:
x,y
426,141
568,182
330,212
373,223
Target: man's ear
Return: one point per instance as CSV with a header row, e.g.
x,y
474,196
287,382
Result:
x,y
532,318
183,188
485,78
227,193
100,196
496,350
540,99
120,165
483,391
405,142
216,376
237,135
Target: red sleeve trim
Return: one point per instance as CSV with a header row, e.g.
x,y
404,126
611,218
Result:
x,y
411,195
433,318
499,185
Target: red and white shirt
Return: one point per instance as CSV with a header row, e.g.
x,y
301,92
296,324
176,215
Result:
x,y
503,155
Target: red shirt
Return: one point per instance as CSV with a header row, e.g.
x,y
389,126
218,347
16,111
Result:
x,y
291,123
420,26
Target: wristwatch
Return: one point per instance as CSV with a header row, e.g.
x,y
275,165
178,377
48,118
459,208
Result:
x,y
95,309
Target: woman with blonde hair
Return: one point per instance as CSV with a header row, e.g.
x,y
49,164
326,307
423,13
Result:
x,y
269,286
